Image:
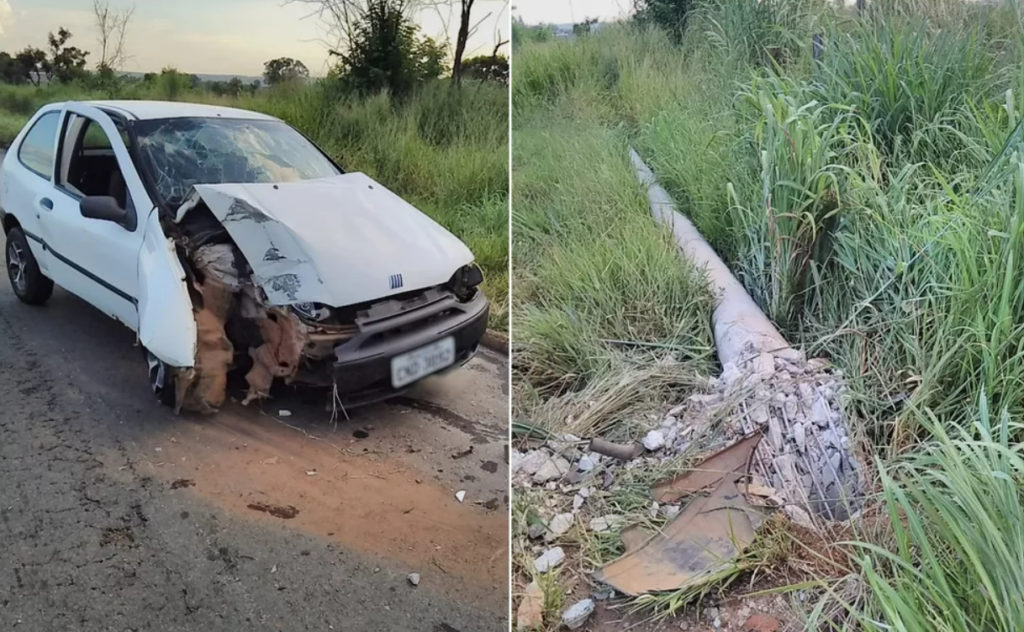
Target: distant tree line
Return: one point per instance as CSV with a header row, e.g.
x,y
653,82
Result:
x,y
384,50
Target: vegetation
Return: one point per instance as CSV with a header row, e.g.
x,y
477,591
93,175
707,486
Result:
x,y
284,69
869,193
444,150
386,52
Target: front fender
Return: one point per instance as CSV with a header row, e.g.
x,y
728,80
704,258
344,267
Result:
x,y
167,327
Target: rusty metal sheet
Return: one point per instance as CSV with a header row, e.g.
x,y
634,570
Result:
x,y
703,540
708,472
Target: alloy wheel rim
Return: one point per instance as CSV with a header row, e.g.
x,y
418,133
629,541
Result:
x,y
16,266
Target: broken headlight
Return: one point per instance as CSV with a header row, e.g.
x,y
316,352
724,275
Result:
x,y
312,311
465,281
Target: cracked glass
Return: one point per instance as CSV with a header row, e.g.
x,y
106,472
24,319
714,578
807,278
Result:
x,y
182,152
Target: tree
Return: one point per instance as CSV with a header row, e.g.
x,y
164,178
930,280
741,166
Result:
x,y
113,26
466,7
10,71
671,15
387,53
486,68
33,63
583,28
340,19
66,63
284,69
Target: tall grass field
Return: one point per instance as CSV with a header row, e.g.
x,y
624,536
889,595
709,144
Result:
x,y
446,152
863,176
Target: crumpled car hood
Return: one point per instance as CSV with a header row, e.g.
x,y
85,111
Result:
x,y
339,241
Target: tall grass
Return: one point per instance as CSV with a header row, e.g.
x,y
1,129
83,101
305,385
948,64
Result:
x,y
872,202
446,152
952,554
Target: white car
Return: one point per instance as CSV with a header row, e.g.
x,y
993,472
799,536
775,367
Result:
x,y
227,240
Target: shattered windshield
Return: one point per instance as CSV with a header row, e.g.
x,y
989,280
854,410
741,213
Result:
x,y
182,152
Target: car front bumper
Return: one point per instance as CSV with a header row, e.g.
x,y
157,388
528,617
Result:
x,y
363,364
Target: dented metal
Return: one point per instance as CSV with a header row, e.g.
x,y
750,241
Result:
x,y
335,240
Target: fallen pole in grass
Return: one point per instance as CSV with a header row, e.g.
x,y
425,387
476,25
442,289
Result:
x,y
741,329
807,458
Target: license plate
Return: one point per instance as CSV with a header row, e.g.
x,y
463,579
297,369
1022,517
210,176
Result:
x,y
411,366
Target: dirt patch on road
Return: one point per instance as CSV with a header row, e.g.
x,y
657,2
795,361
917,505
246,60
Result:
x,y
255,466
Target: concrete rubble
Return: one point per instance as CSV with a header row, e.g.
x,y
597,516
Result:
x,y
549,559
577,614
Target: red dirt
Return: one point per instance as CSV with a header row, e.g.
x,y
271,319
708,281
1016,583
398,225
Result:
x,y
365,501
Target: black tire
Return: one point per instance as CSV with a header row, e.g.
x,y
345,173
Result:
x,y
160,379
30,285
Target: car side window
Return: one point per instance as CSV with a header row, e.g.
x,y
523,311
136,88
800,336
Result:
x,y
88,164
36,151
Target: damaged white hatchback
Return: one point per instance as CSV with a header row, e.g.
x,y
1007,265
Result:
x,y
229,241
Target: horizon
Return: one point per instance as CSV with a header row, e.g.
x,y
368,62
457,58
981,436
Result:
x,y
234,38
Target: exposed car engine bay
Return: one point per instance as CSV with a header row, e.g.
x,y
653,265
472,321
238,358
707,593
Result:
x,y
239,328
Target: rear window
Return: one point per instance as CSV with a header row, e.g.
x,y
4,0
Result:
x,y
36,151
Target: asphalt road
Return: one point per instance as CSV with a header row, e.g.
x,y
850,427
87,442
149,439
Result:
x,y
116,514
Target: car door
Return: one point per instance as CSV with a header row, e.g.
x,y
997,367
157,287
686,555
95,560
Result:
x,y
27,185
97,259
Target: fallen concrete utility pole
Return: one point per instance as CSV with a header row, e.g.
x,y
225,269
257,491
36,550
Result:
x,y
795,403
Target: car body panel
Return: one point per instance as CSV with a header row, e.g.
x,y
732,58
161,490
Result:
x,y
22,191
146,110
339,241
167,327
95,259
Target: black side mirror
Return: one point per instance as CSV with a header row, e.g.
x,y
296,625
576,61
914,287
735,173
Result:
x,y
104,207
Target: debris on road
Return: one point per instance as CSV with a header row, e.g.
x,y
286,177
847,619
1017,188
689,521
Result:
x,y
271,461
414,579
284,413
286,512
462,453
311,472
460,495
577,614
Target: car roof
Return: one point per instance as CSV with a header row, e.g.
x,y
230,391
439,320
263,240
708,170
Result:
x,y
145,110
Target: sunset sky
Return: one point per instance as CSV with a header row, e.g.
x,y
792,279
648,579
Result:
x,y
215,36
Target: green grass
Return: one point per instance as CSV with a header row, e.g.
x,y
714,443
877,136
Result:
x,y
951,554
446,153
590,265
872,203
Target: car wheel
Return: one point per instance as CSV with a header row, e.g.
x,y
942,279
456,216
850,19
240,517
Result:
x,y
28,282
161,379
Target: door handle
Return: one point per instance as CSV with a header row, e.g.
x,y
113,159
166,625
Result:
x,y
46,203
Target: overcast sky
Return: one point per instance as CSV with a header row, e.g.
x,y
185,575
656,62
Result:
x,y
568,12
215,36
